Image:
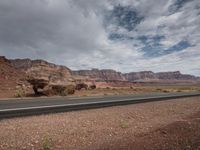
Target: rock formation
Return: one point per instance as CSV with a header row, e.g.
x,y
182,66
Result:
x,y
51,79
42,74
160,76
55,75
136,76
11,79
101,75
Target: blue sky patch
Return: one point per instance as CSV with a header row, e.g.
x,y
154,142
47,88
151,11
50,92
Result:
x,y
117,36
151,40
177,5
125,17
156,49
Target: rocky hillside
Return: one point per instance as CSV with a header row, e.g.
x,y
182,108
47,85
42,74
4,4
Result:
x,y
47,71
10,78
55,72
175,75
46,78
43,69
144,75
25,64
160,76
8,73
101,75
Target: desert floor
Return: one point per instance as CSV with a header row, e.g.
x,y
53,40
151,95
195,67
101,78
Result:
x,y
172,124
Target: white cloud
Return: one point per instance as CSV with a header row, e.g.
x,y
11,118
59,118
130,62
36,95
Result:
x,y
73,33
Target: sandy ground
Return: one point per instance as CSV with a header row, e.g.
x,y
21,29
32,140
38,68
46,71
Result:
x,y
137,90
10,93
172,124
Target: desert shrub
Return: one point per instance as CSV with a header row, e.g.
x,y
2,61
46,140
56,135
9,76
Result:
x,y
179,91
158,89
92,87
46,144
107,88
166,91
62,90
70,89
80,86
58,88
20,93
63,93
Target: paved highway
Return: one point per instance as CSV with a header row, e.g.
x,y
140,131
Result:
x,y
34,106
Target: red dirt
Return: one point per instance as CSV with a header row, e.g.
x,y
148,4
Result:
x,y
156,125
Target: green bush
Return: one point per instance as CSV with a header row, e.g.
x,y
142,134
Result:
x,y
46,144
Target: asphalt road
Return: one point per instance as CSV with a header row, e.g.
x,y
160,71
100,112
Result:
x,y
34,106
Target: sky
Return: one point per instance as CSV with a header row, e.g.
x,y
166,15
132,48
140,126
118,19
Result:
x,y
127,36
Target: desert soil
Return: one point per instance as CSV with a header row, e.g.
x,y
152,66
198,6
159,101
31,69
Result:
x,y
172,124
137,90
10,93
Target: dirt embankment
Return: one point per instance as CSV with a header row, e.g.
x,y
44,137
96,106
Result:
x,y
173,124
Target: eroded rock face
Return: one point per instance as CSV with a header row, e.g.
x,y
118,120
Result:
x,y
38,84
43,75
61,75
21,64
114,78
11,79
174,75
101,75
9,76
133,76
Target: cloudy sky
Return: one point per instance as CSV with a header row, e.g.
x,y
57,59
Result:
x,y
128,35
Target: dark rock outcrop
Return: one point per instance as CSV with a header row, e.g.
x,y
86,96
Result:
x,y
80,86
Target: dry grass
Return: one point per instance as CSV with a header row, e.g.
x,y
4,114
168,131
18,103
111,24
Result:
x,y
137,90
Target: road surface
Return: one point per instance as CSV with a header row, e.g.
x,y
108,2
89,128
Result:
x,y
35,106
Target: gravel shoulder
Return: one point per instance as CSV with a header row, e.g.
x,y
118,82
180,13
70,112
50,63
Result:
x,y
119,127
